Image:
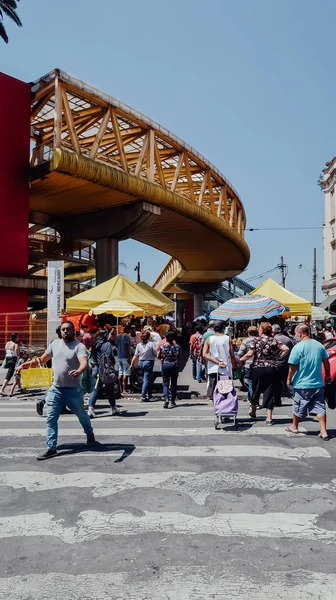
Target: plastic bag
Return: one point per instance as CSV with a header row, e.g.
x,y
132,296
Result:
x,y
38,377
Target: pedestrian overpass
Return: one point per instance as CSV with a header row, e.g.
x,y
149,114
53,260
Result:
x,y
102,172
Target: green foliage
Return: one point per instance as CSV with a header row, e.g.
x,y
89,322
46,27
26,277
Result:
x,y
8,8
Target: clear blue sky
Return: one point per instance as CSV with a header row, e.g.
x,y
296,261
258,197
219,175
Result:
x,y
249,83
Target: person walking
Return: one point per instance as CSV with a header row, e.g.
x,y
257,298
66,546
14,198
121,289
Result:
x,y
195,351
265,352
123,344
106,377
218,352
69,360
305,374
252,333
169,354
282,365
12,355
145,355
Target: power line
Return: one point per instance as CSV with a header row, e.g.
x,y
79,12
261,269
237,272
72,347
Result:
x,y
288,228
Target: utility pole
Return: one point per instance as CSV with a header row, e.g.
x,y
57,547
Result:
x,y
314,278
282,268
137,268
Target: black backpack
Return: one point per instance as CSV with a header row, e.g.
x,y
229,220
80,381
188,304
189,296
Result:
x,y
107,372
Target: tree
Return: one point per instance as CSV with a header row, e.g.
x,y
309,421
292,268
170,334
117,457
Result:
x,y
8,8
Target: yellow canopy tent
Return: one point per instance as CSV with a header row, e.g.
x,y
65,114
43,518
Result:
x,y
117,288
169,305
117,308
298,306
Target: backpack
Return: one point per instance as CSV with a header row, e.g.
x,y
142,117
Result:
x,y
107,372
196,346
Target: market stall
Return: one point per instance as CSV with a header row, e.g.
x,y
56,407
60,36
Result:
x,y
298,307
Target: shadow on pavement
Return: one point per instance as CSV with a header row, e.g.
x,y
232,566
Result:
x,y
68,449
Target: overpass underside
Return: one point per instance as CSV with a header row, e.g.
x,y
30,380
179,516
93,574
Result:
x,y
101,172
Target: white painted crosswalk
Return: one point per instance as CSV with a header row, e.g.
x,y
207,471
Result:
x,y
165,508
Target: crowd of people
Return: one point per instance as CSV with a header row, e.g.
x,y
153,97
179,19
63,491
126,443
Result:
x,y
84,362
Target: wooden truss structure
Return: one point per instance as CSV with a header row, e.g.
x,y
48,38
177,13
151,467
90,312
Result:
x,y
71,115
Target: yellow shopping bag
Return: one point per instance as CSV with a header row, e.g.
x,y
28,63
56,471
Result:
x,y
38,377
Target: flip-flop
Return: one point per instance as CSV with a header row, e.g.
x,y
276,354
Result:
x,y
291,431
325,438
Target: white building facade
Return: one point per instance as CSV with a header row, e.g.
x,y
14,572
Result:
x,y
329,230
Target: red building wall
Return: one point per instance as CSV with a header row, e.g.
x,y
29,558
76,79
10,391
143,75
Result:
x,y
14,187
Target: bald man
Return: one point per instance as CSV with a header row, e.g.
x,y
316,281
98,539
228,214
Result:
x,y
305,374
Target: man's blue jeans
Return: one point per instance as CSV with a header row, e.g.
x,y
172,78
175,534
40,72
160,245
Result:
x,y
56,398
147,367
197,368
169,376
248,382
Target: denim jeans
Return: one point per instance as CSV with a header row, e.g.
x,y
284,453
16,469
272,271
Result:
x,y
97,391
248,382
169,376
197,368
147,367
56,398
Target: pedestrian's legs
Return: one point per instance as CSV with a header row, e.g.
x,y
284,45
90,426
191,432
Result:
x,y
173,378
110,394
199,370
165,382
193,367
55,403
94,396
75,401
145,392
322,419
150,368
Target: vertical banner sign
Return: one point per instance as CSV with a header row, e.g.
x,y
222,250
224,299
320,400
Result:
x,y
55,296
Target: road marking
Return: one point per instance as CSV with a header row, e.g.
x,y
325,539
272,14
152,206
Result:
x,y
196,485
122,419
153,432
237,451
93,524
171,583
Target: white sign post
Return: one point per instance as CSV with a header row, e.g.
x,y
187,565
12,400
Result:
x,y
55,297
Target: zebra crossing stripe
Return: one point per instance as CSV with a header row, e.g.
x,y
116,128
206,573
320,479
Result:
x,y
153,432
204,452
196,485
178,583
92,524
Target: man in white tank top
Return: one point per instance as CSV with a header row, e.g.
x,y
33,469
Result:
x,y
218,352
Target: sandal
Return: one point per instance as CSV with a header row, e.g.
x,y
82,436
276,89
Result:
x,y
252,415
269,423
325,438
291,431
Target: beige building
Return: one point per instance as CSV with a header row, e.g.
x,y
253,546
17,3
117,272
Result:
x,y
329,232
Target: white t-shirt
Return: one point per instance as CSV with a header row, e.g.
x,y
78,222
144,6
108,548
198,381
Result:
x,y
220,350
155,337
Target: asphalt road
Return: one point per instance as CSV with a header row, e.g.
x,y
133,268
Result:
x,y
165,507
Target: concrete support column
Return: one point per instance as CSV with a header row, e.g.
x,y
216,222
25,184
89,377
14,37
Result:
x,y
179,313
107,259
198,305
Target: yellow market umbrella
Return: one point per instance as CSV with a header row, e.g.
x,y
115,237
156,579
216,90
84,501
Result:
x,y
169,305
117,308
298,306
118,288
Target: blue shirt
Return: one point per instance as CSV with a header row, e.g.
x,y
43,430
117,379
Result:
x,y
308,355
123,343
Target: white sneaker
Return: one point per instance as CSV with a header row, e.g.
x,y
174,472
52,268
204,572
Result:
x,y
115,411
91,413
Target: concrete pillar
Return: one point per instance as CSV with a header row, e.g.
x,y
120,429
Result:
x,y
198,305
107,259
179,313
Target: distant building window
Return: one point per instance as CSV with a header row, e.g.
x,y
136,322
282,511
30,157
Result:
x,y
333,258
332,206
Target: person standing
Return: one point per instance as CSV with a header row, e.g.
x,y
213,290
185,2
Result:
x,y
163,328
169,354
69,360
12,355
195,351
154,336
282,365
218,352
145,354
252,333
265,352
328,332
106,377
305,374
123,343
